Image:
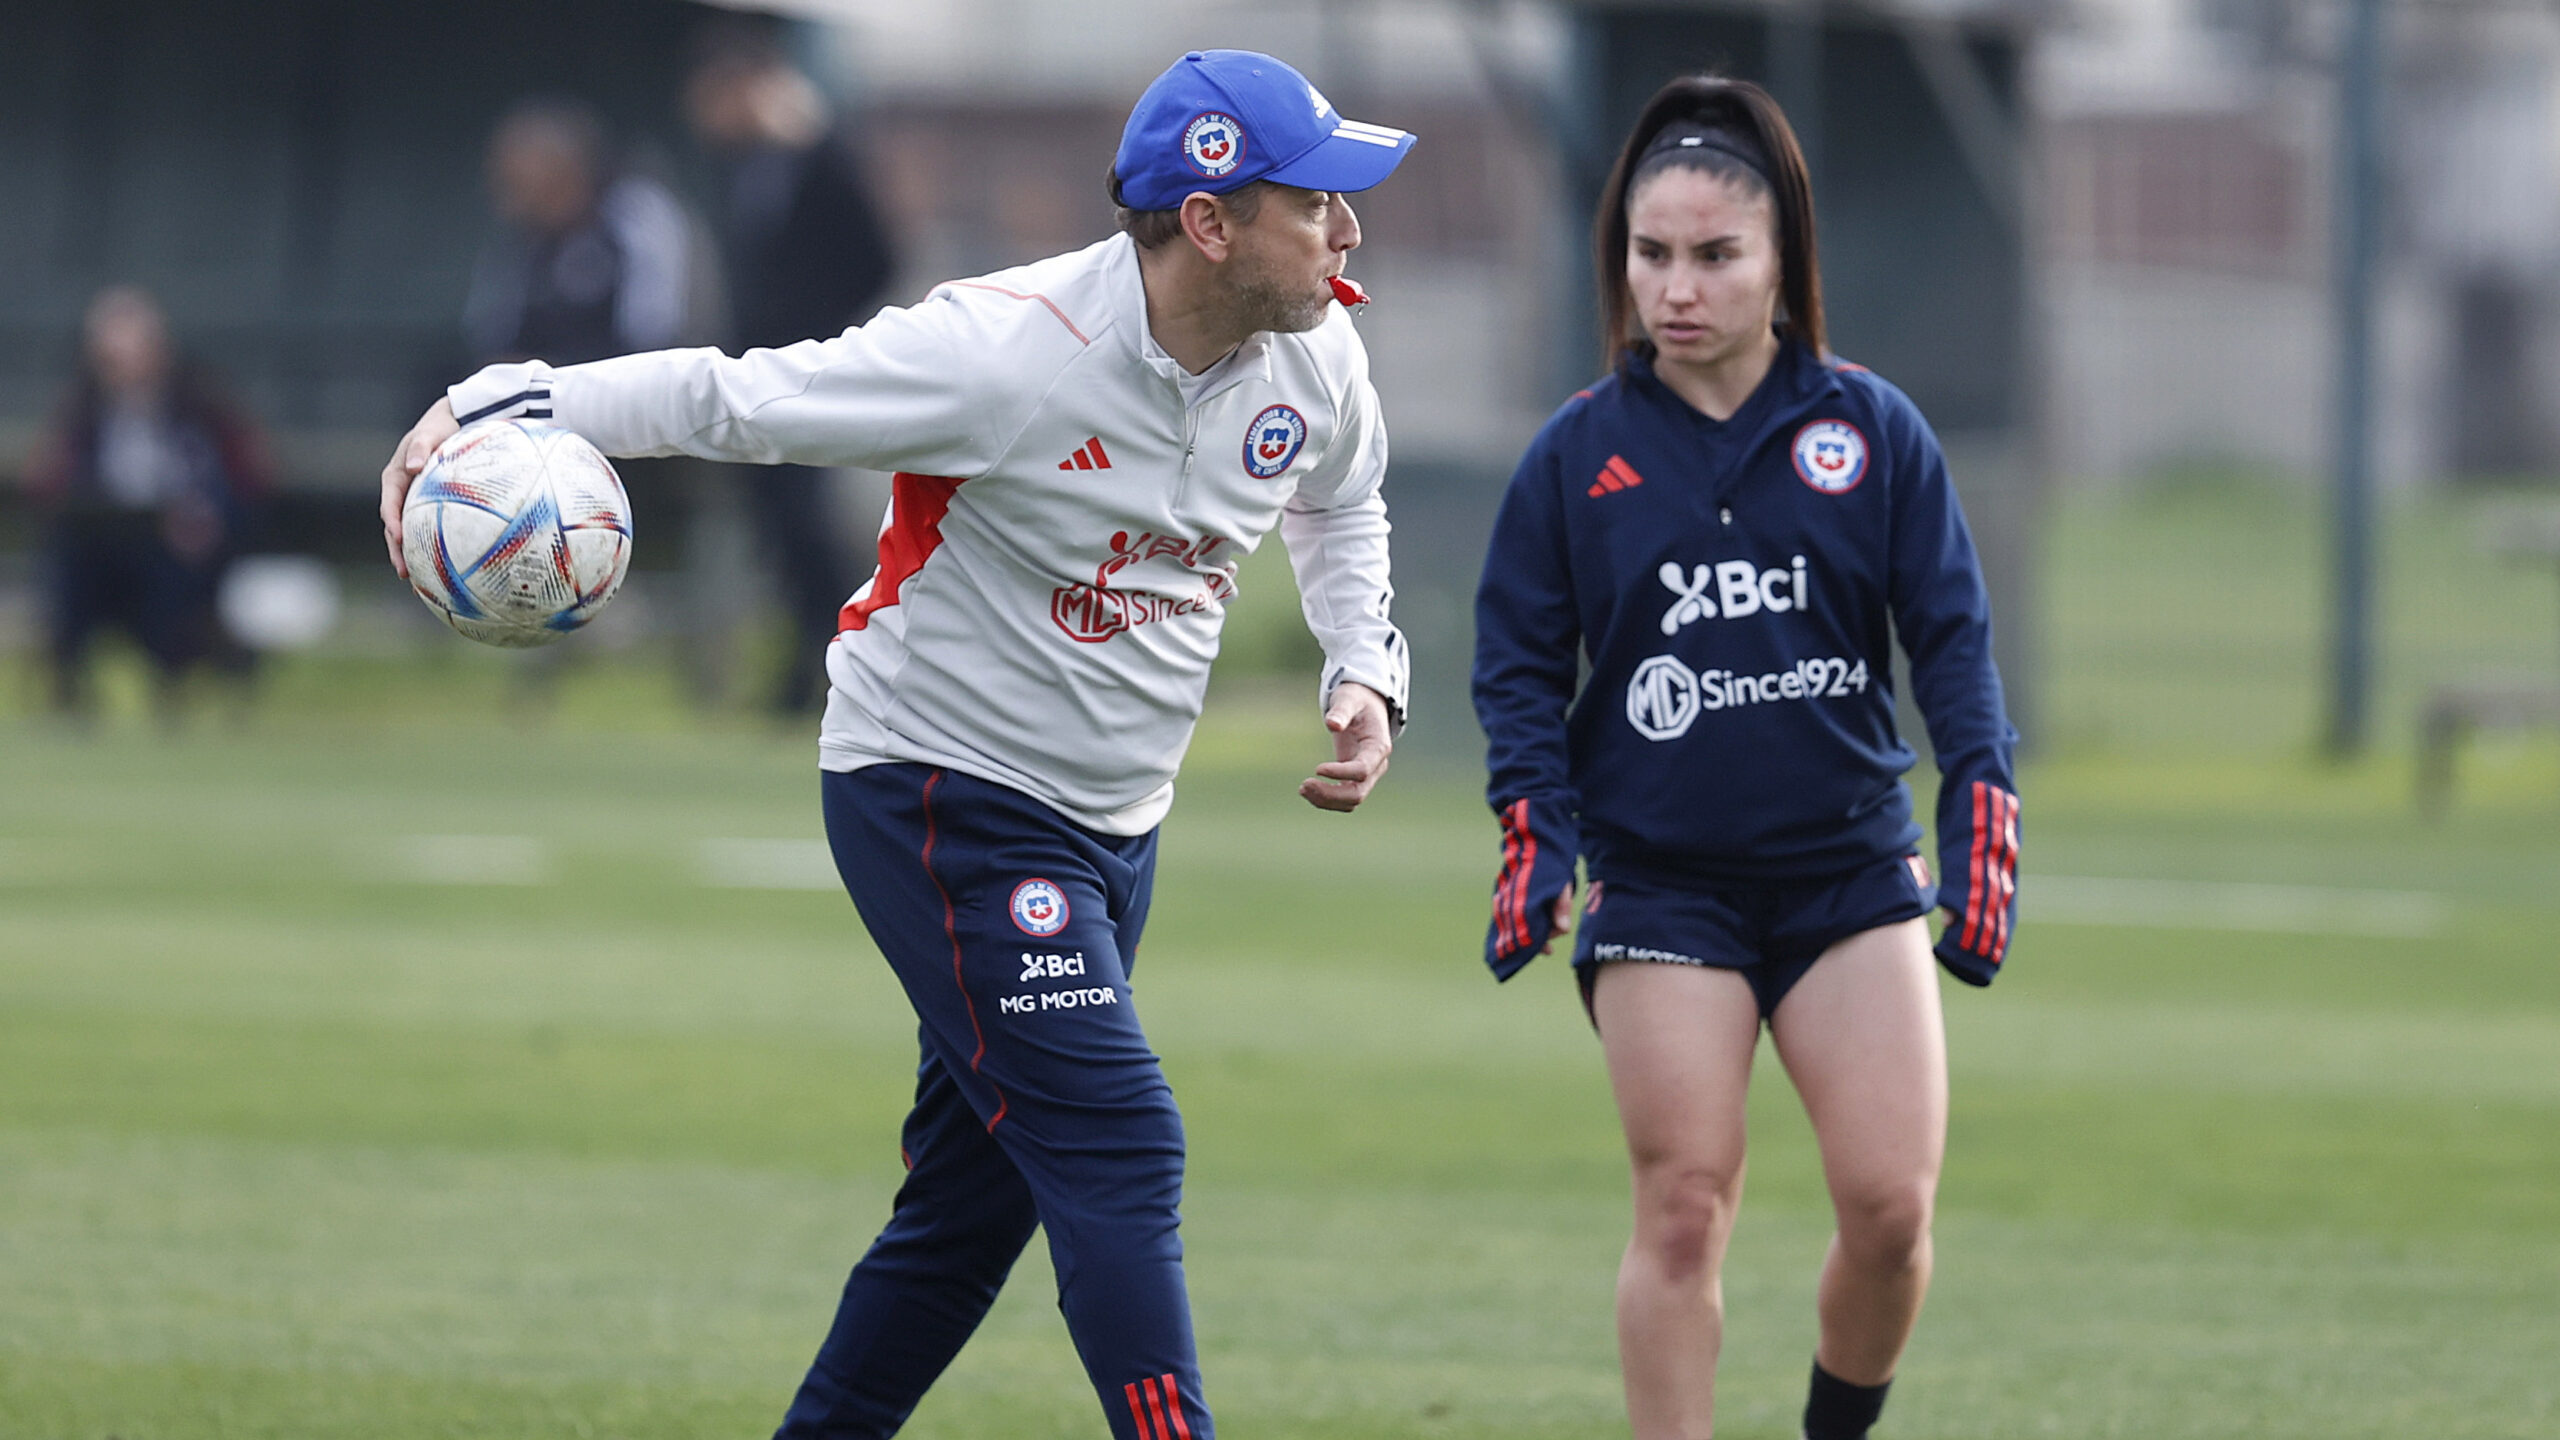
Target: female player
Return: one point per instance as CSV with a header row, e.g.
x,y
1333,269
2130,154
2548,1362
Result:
x,y
1730,527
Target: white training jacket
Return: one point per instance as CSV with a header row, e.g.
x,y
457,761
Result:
x,y
1065,524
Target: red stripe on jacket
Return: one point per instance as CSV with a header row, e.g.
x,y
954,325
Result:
x,y
917,504
1502,883
1993,872
1519,864
1974,869
1018,295
1528,869
2007,884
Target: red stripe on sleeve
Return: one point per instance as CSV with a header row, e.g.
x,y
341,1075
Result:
x,y
1528,870
1173,1402
917,504
1137,1410
1018,295
1975,866
1502,923
1155,1406
2008,872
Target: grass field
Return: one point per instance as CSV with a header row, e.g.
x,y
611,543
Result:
x,y
307,1128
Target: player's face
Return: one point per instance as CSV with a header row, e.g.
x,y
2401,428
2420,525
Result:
x,y
1702,264
540,182
128,342
1283,256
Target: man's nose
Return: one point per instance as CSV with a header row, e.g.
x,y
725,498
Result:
x,y
1345,235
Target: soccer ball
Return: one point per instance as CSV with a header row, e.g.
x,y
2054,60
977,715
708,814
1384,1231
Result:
x,y
516,533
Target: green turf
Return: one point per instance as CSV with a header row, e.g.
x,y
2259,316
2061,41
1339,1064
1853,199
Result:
x,y
2194,614
290,1146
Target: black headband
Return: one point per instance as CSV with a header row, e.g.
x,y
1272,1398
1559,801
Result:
x,y
1682,135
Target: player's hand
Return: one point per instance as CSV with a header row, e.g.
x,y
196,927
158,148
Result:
x,y
1362,739
433,429
1560,920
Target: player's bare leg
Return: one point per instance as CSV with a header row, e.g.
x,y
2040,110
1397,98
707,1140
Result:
x,y
1862,1037
1679,1040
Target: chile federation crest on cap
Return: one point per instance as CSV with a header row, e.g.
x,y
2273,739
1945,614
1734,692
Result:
x,y
1039,908
1214,143
1831,456
1273,441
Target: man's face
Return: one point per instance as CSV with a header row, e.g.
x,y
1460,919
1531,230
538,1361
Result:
x,y
540,181
128,342
720,103
1286,253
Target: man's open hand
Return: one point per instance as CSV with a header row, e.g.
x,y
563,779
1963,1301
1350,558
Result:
x,y
1363,736
433,429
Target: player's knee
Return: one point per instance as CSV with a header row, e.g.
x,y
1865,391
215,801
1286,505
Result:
x,y
1885,1226
1683,1213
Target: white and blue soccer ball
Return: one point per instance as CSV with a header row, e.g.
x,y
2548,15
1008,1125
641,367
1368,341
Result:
x,y
516,533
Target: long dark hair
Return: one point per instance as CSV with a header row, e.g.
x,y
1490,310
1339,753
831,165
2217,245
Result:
x,y
1744,136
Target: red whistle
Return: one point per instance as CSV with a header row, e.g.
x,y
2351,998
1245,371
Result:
x,y
1349,293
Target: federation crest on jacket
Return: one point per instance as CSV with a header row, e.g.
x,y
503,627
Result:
x,y
1831,456
1273,441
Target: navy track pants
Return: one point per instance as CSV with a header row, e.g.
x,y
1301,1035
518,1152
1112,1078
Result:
x,y
1038,1104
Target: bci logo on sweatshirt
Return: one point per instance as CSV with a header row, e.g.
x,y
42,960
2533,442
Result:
x,y
1730,590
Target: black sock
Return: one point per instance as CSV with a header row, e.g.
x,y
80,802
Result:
x,y
1834,1409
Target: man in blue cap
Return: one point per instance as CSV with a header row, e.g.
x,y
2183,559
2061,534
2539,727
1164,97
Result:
x,y
1084,449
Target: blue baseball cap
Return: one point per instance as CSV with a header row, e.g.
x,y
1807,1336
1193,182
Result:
x,y
1222,119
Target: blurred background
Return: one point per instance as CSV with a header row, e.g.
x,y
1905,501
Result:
x,y
402,1037
2118,250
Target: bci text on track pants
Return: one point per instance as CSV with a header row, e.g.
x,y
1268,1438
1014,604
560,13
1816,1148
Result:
x,y
1037,1103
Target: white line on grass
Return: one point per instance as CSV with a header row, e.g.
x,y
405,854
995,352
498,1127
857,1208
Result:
x,y
767,865
2224,905
471,860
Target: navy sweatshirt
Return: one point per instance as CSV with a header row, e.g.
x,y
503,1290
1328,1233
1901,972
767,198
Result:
x,y
1735,587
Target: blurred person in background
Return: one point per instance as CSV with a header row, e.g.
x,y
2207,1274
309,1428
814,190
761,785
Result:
x,y
1733,526
592,263
807,256
146,484
594,260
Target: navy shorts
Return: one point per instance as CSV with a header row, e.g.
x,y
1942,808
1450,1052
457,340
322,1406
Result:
x,y
1770,931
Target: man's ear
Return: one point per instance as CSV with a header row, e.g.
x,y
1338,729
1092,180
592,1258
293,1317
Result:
x,y
1209,225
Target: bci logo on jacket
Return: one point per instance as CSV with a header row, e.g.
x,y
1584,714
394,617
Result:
x,y
1740,588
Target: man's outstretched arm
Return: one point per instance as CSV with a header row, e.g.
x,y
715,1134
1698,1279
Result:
x,y
931,390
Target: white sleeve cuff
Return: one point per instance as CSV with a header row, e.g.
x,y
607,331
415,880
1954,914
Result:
x,y
1384,668
519,391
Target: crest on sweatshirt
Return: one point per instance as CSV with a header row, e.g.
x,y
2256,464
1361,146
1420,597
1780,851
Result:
x,y
1831,456
1273,441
